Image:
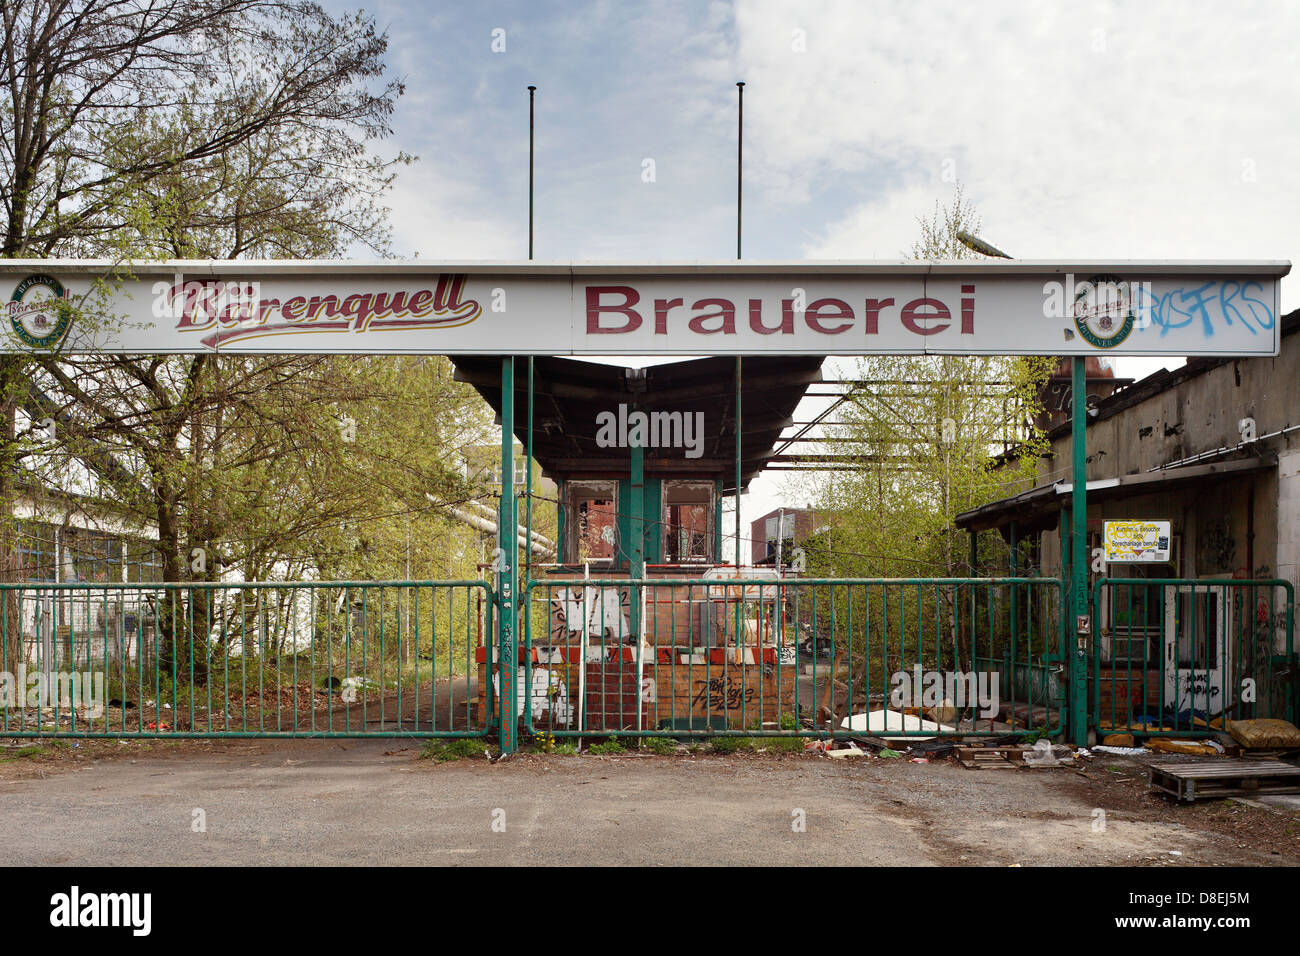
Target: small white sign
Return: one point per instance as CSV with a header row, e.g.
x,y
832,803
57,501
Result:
x,y
1136,540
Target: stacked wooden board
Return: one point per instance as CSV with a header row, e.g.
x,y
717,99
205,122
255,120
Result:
x,y
1224,778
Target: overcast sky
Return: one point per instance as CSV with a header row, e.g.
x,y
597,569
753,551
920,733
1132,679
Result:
x,y
1143,130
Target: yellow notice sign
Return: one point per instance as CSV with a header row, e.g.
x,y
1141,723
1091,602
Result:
x,y
1137,540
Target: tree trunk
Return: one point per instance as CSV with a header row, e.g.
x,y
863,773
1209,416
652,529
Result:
x,y
11,629
181,643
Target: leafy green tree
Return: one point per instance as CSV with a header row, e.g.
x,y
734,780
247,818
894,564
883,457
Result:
x,y
206,129
921,433
924,431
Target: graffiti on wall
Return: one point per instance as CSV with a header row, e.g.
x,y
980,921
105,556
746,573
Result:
x,y
592,612
1216,547
548,694
1200,690
718,694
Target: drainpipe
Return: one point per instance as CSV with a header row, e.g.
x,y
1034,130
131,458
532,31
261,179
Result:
x,y
780,538
539,545
485,511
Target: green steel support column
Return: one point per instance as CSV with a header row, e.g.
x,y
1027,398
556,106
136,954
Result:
x,y
738,632
527,625
738,478
508,542
1078,556
637,525
528,521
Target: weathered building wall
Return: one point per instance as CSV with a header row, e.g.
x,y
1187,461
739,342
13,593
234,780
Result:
x,y
1173,447
1288,516
1198,414
1247,526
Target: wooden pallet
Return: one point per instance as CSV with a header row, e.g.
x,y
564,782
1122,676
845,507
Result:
x,y
1224,778
981,758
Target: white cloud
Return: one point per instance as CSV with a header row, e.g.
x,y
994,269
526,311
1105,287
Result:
x,y
1102,130
438,217
1083,130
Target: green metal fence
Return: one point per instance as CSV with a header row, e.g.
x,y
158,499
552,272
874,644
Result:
x,y
274,659
1178,656
770,657
614,657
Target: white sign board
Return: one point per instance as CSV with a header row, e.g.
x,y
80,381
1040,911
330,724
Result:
x,y
816,308
1136,541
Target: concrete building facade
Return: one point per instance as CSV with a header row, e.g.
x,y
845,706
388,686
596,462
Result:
x,y
1213,448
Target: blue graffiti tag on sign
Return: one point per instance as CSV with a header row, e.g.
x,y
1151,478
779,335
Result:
x,y
1214,305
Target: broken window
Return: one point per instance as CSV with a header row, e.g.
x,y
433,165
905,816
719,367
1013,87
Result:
x,y
688,521
593,520
1201,629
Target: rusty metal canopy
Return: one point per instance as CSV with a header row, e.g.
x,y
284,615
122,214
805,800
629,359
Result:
x,y
1039,507
569,394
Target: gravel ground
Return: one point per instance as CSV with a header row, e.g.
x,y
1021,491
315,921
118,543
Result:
x,y
378,801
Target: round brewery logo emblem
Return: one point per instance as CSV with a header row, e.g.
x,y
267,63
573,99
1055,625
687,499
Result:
x,y
1103,311
39,312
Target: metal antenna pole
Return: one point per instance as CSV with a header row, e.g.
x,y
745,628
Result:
x,y
532,92
740,146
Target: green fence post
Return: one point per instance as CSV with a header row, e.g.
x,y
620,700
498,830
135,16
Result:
x,y
507,659
1078,627
1013,565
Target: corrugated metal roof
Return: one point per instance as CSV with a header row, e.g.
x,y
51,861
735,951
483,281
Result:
x,y
569,394
1038,506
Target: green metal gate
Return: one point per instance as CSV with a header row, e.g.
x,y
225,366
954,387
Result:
x,y
760,656
1180,656
272,659
775,657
